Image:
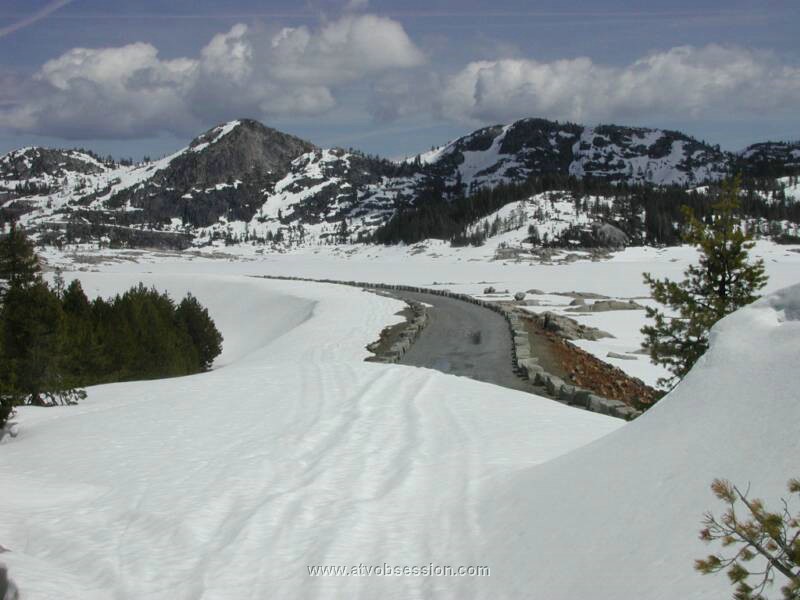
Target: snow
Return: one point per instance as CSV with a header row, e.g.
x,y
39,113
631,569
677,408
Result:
x,y
216,134
790,187
551,213
294,452
672,169
468,270
291,453
619,518
70,186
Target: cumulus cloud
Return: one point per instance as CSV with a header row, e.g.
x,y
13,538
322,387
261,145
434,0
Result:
x,y
130,91
683,81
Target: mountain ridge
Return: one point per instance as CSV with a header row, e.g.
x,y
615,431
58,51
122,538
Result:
x,y
246,181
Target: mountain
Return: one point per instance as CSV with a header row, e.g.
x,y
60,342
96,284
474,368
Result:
x,y
30,170
770,159
243,181
501,154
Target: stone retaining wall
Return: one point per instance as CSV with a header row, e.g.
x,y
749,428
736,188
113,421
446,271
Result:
x,y
522,362
408,335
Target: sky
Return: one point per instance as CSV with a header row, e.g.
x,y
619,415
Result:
x,y
391,77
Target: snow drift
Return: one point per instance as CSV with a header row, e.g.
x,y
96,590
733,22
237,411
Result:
x,y
295,453
229,484
620,517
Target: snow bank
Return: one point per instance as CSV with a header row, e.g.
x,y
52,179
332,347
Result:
x,y
229,484
619,518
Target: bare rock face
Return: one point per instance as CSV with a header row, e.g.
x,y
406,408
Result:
x,y
606,306
610,236
250,147
569,328
222,174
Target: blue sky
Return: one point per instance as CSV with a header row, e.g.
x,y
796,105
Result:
x,y
391,77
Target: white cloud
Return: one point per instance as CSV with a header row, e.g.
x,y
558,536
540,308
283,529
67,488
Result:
x,y
343,50
683,81
129,91
229,55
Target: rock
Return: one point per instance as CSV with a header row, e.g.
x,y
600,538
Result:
x,y
566,393
519,296
581,398
620,356
578,302
610,236
569,328
489,290
583,295
606,306
553,384
625,412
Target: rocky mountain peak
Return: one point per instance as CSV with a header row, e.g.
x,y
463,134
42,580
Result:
x,y
242,180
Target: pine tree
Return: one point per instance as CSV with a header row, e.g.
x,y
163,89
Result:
x,y
723,281
754,533
19,265
32,336
206,337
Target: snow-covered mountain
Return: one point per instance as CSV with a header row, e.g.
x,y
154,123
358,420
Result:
x,y
502,154
244,181
771,158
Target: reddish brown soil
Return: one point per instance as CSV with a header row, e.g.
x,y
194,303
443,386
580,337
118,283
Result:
x,y
563,359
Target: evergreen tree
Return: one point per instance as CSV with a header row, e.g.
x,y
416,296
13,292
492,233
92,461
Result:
x,y
19,265
723,280
32,336
206,337
82,355
754,532
52,339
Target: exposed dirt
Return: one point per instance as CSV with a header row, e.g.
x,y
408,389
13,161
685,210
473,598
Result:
x,y
561,358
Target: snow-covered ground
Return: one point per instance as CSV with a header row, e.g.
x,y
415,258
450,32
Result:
x,y
467,270
620,517
293,452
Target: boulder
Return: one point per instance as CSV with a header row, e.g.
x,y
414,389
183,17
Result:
x,y
569,328
553,384
610,236
608,305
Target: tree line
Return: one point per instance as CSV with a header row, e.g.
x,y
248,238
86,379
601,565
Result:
x,y
647,214
54,340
